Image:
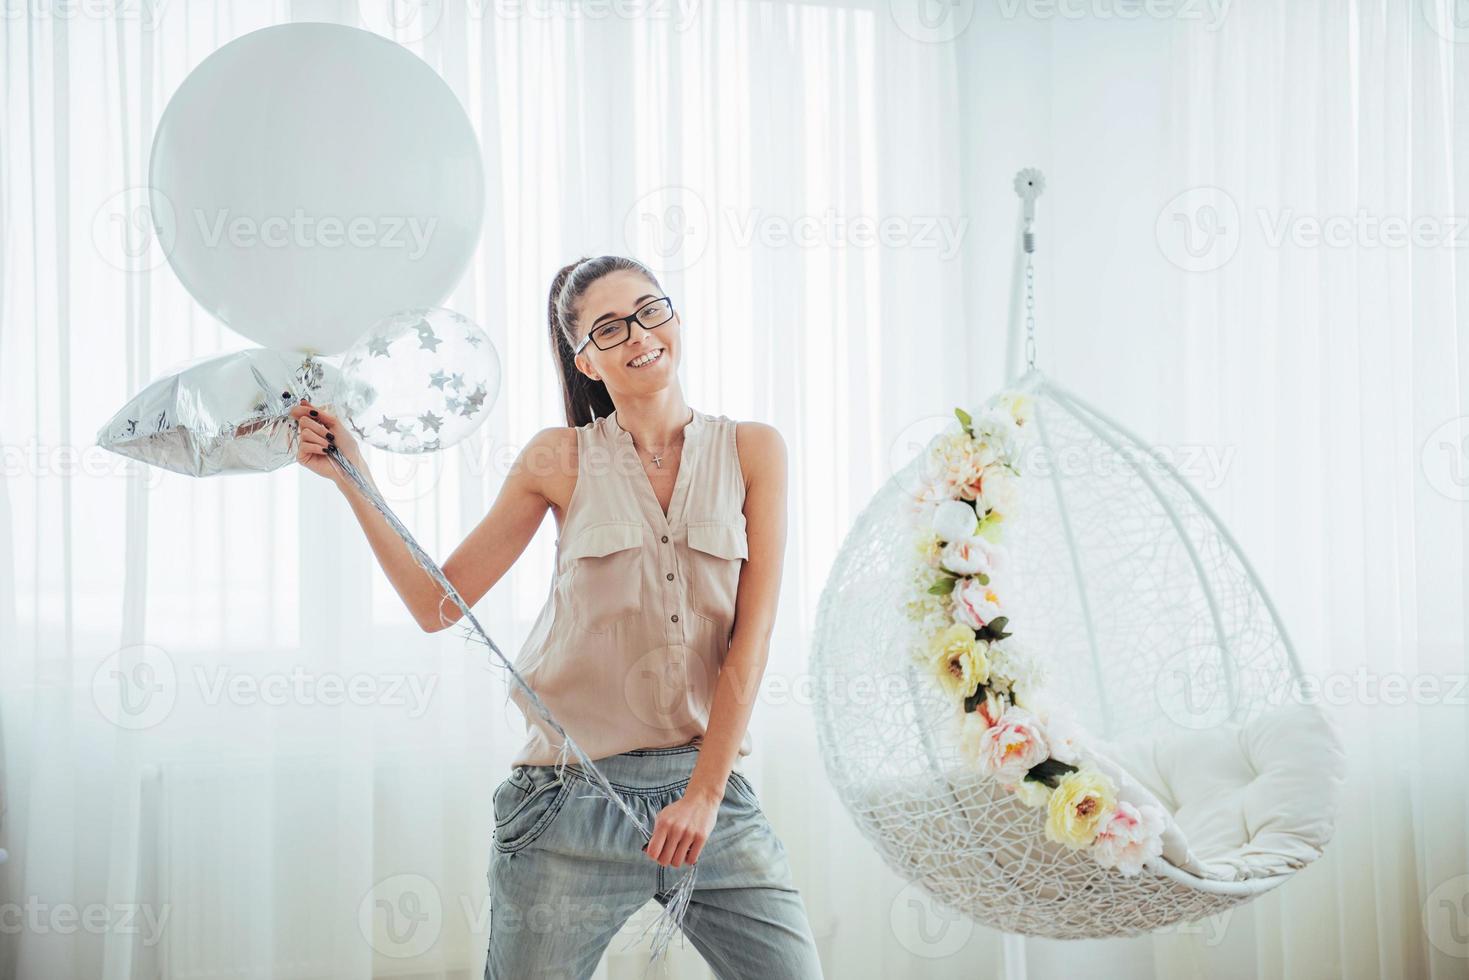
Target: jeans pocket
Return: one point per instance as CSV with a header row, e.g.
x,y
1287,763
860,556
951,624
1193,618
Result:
x,y
525,804
743,788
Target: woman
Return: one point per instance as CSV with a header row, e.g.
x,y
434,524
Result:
x,y
650,650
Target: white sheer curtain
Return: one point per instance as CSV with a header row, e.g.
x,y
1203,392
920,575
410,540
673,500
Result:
x,y
228,751
1253,252
826,188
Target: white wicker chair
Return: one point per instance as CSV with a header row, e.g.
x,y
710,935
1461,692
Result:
x,y
1158,634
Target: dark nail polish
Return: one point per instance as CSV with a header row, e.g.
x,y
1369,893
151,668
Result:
x,y
313,413
330,437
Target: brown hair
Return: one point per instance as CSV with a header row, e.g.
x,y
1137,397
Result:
x,y
585,399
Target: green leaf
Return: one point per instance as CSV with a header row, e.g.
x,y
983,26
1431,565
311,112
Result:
x,y
994,629
965,420
942,587
972,702
1049,772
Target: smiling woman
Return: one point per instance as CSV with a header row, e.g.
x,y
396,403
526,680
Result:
x,y
671,521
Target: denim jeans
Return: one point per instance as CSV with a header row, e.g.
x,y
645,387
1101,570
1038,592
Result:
x,y
568,869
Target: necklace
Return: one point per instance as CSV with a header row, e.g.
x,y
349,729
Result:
x,y
658,456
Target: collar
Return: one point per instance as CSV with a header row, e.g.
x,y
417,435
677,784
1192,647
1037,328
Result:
x,y
692,427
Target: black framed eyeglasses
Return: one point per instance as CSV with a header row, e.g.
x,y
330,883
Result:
x,y
609,333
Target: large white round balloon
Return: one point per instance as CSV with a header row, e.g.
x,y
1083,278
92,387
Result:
x,y
318,178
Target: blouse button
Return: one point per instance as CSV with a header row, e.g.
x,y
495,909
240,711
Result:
x,y
665,539
670,576
674,617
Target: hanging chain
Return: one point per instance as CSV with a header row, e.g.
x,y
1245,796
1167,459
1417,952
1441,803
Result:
x,y
1030,183
1029,304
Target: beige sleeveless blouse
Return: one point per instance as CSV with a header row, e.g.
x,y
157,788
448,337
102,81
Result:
x,y
627,649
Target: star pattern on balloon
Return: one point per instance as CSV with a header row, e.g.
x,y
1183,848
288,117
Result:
x,y
427,339
476,398
422,380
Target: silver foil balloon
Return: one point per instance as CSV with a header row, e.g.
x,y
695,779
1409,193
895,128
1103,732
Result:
x,y
222,414
420,380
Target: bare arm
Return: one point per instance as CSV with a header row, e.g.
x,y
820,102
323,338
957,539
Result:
x,y
763,458
485,554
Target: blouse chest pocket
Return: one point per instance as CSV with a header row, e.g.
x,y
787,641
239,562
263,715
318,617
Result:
x,y
606,574
717,551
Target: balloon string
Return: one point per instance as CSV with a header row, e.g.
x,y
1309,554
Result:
x,y
671,919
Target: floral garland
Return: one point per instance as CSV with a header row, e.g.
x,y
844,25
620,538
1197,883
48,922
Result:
x,y
1007,726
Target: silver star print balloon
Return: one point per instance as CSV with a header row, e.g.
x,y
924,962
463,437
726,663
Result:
x,y
420,380
222,414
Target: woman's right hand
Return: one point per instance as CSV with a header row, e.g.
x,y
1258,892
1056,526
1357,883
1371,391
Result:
x,y
320,429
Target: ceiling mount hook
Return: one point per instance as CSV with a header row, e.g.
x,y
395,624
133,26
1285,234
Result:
x,y
1030,184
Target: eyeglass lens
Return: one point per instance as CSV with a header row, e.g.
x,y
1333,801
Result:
x,y
611,334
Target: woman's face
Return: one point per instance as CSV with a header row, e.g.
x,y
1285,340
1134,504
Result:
x,y
654,352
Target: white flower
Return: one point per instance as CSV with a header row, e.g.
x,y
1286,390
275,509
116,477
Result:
x,y
1031,792
954,519
996,426
1024,674
999,491
1067,740
1018,405
968,556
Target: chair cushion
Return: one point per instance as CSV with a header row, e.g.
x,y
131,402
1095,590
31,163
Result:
x,y
1248,801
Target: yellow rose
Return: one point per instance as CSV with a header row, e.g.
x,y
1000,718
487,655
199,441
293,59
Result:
x,y
958,661
1081,802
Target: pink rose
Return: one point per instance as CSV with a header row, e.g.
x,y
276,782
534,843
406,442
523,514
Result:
x,y
1013,745
974,604
1130,837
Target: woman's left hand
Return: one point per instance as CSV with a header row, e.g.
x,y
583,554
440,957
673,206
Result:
x,y
681,828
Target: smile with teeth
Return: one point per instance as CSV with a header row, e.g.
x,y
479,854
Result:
x,y
647,358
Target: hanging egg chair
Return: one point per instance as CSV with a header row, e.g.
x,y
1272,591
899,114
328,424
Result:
x,y
1157,635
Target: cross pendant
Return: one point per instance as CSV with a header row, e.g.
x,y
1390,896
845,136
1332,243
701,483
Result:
x,y
658,461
